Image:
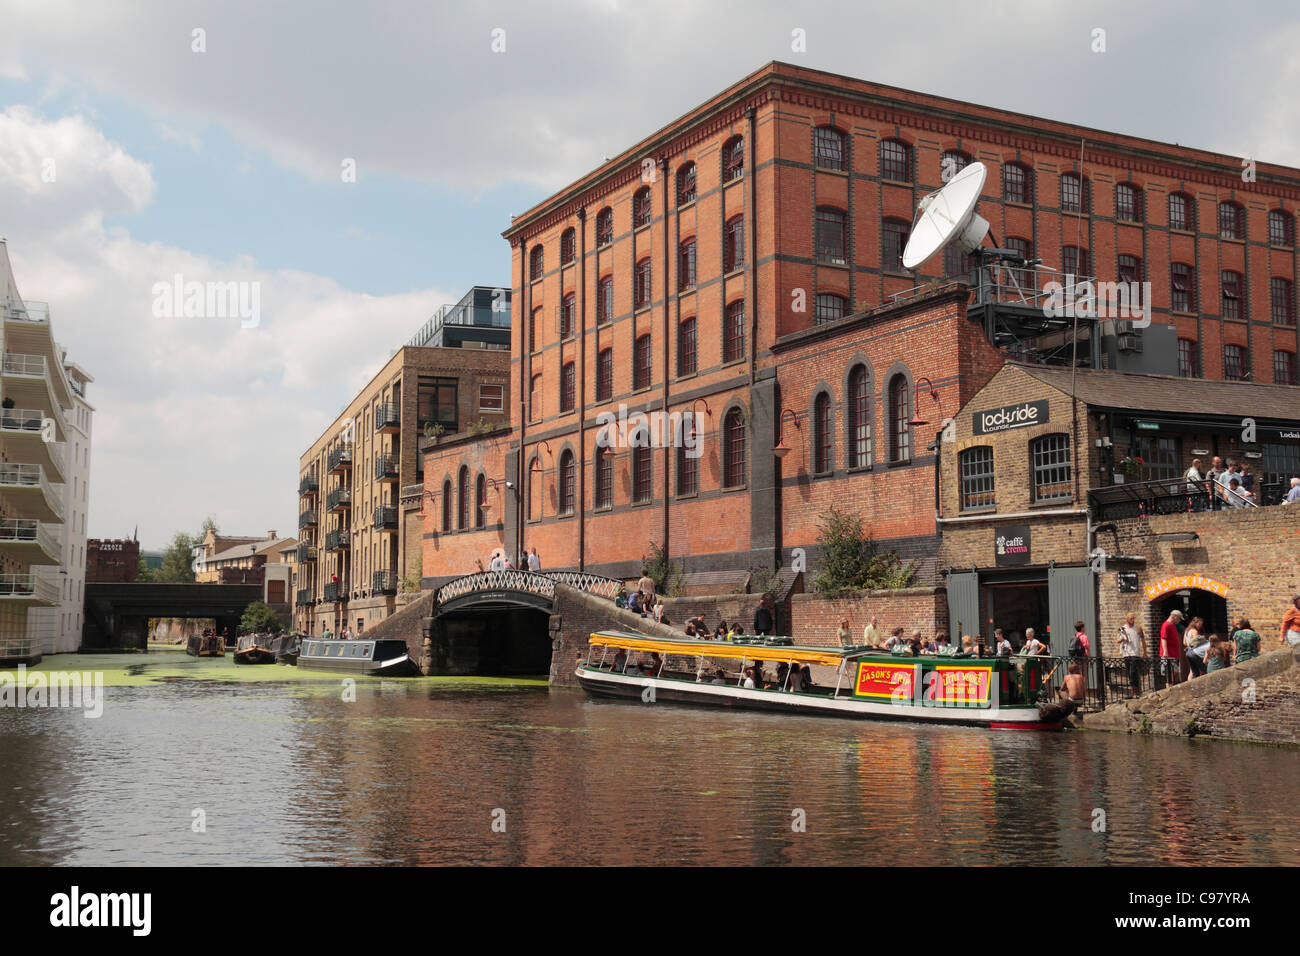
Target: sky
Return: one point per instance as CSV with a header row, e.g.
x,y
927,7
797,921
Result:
x,y
212,140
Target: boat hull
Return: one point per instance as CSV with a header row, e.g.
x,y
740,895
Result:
x,y
254,655
385,658
603,683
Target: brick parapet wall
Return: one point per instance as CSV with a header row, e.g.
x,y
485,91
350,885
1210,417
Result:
x,y
816,617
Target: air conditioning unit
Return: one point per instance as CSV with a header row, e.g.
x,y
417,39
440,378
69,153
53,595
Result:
x,y
1123,326
1129,342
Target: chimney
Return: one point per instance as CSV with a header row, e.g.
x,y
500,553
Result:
x,y
271,534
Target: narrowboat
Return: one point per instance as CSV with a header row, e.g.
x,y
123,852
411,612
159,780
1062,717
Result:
x,y
205,645
859,682
286,647
254,649
385,658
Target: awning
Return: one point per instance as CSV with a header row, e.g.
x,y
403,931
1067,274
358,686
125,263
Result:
x,y
721,649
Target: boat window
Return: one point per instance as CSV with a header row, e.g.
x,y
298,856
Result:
x,y
342,648
366,649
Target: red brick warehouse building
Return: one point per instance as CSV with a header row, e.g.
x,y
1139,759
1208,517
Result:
x,y
742,258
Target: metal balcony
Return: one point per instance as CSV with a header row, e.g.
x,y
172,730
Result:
x,y
340,499
28,589
40,433
336,541
385,518
306,554
385,467
308,485
304,597
27,486
384,582
388,418
26,538
307,520
340,458
336,591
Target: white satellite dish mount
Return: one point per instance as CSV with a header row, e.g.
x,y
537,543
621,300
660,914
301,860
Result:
x,y
948,218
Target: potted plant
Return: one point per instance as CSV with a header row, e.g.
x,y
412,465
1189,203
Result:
x,y
7,403
1131,466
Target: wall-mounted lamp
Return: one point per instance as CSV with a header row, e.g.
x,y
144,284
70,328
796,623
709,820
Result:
x,y
917,421
781,450
486,506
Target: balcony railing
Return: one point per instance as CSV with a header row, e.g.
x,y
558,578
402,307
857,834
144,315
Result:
x,y
33,365
308,485
22,419
31,476
306,554
307,519
336,540
385,467
336,591
29,530
1166,496
385,518
29,310
18,586
338,498
340,457
384,582
388,417
304,597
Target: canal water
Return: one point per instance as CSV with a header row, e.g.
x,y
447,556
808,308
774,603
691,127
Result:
x,y
276,766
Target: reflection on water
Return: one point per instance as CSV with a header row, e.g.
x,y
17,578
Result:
x,y
412,772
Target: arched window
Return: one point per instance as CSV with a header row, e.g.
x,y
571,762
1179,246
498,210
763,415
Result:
x,y
821,435
568,387
1075,193
480,499
1025,249
895,160
900,417
1234,363
733,331
568,246
535,399
859,418
463,490
536,261
686,184
604,227
951,163
605,478
976,467
446,505
829,150
1128,203
1232,221
1281,228
687,347
568,483
1130,269
733,158
832,230
641,207
1182,212
1017,183
535,484
1050,462
733,450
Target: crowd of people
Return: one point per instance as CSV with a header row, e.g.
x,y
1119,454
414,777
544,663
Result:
x,y
500,561
1232,483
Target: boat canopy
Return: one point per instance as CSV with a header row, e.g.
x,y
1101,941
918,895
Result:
x,y
722,649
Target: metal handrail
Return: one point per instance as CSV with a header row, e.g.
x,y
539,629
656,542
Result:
x,y
28,585
19,364
13,475
530,582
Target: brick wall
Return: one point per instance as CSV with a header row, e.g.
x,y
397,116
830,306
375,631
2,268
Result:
x,y
817,617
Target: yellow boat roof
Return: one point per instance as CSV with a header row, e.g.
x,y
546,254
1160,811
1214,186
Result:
x,y
719,649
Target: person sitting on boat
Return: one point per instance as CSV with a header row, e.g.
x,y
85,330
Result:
x,y
720,633
620,661
1073,688
654,666
942,645
735,629
690,629
719,677
967,646
749,678
928,646
895,638
800,678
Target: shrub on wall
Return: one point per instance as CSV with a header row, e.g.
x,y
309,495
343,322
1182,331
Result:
x,y
850,561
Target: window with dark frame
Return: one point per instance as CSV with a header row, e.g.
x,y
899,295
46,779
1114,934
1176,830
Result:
x,y
568,387
604,227
900,417
1231,221
1128,203
536,482
686,184
1182,279
605,300
1162,456
687,347
1230,285
604,375
1130,269
733,439
1016,183
831,229
688,472
859,418
893,242
733,243
1234,363
956,262
1188,365
1025,249
568,316
951,163
1074,261
733,335
828,148
642,475
895,160
536,263
535,399
641,372
822,434
1281,301
644,287
1074,194
829,308
1281,228
534,321
976,466
686,265
1050,459
437,402
1283,367
605,479
446,505
641,207
491,398
568,246
568,483
480,499
463,490
733,159
1180,212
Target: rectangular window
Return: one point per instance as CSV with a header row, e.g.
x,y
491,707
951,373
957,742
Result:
x,y
830,235
1282,302
687,348
1234,363
568,387
829,308
688,473
1183,291
733,244
977,478
641,475
894,241
1187,362
643,283
568,316
642,369
1051,466
1162,457
1179,213
604,375
733,341
1015,183
1283,368
491,398
437,402
1231,294
1279,465
605,480
686,265
605,301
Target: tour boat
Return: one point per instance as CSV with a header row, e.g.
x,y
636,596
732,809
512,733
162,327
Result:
x,y
994,692
385,658
253,649
205,645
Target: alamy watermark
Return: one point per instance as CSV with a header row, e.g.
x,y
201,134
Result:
x,y
659,429
42,689
179,299
1085,299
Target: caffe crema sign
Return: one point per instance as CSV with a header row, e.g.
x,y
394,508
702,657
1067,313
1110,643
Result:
x,y
1020,415
1181,582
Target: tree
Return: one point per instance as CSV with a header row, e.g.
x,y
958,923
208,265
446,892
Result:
x,y
178,561
259,618
849,561
143,572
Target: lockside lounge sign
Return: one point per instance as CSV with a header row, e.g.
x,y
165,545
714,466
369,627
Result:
x,y
1020,415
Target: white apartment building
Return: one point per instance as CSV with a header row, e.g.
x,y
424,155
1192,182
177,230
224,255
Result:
x,y
44,468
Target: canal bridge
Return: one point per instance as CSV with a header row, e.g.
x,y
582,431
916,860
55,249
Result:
x,y
117,614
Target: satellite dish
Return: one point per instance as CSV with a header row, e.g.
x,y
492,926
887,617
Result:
x,y
948,217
